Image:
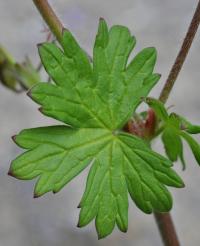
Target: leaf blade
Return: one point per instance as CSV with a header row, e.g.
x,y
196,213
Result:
x,y
95,102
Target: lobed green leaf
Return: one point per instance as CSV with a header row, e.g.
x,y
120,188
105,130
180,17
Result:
x,y
95,101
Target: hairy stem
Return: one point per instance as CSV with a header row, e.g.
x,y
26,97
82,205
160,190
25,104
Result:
x,y
50,18
176,68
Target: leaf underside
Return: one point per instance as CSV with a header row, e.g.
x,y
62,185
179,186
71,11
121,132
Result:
x,y
95,101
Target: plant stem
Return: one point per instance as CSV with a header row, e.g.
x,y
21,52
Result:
x,y
164,220
167,229
50,18
176,68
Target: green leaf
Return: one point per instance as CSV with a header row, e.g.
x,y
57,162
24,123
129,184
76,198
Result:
x,y
173,145
115,83
193,129
66,151
175,128
195,147
183,127
95,102
188,127
158,108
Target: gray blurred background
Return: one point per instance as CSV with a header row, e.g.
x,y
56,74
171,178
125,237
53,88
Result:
x,y
51,220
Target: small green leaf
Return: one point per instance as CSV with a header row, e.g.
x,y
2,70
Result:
x,y
195,147
193,129
95,102
189,127
173,145
173,129
158,107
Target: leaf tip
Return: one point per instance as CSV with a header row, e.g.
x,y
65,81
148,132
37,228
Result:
x,y
152,52
14,138
182,185
39,45
159,75
183,168
64,30
36,195
101,19
124,230
40,110
100,236
28,93
10,173
78,225
153,49
55,191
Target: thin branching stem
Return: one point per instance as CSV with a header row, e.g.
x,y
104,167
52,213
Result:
x,y
176,68
50,18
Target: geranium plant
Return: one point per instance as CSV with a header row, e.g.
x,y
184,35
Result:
x,y
96,100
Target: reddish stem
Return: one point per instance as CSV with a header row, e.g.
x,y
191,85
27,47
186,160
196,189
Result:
x,y
176,68
167,229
